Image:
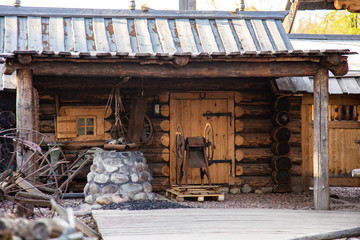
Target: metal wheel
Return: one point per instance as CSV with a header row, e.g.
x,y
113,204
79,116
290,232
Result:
x,y
209,142
28,172
180,151
147,130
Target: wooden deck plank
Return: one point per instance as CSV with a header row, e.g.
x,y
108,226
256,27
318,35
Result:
x,y
222,223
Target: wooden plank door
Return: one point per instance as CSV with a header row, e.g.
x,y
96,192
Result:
x,y
187,109
344,131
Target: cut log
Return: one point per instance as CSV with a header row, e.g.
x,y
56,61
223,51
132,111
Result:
x,y
283,188
255,125
161,124
165,110
253,111
281,176
159,169
280,163
47,126
281,118
120,146
281,104
239,155
164,97
160,184
7,119
257,181
259,155
239,125
281,134
239,140
239,170
280,148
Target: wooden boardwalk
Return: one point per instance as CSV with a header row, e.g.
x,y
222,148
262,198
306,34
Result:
x,y
197,223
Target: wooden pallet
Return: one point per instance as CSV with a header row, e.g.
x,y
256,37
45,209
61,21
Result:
x,y
179,193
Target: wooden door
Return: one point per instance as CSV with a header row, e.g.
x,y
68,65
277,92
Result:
x,y
188,109
344,132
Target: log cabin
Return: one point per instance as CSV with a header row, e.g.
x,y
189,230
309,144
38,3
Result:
x,y
192,68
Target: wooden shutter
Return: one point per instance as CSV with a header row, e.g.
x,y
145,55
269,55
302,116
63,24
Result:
x,y
66,127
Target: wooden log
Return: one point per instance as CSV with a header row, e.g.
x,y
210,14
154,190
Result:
x,y
295,140
295,155
7,119
165,110
281,134
281,104
192,69
255,125
120,146
295,170
47,126
253,112
257,181
281,176
237,97
239,155
321,140
280,148
253,140
280,163
107,125
239,125
239,140
156,154
164,97
295,125
161,124
282,188
160,184
281,118
258,169
239,171
159,169
250,97
252,155
47,111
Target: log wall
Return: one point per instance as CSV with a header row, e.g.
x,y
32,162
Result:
x,y
253,123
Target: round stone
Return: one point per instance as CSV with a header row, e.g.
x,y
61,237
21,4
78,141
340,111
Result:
x,y
94,188
103,154
90,176
140,196
131,188
129,161
93,167
109,189
147,187
101,178
134,177
100,169
110,169
144,176
151,196
124,169
138,168
103,200
120,199
140,159
89,199
119,178
86,189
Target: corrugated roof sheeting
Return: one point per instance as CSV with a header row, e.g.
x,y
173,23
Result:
x,y
141,35
337,85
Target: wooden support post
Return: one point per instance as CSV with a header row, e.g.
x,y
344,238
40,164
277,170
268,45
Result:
x,y
187,5
321,140
25,101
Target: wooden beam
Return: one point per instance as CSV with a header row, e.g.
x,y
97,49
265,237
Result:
x,y
191,70
350,5
290,18
24,100
321,140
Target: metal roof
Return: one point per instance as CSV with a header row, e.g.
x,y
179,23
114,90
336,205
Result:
x,y
337,85
135,31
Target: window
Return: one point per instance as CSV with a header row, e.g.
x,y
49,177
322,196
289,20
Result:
x,y
82,123
86,126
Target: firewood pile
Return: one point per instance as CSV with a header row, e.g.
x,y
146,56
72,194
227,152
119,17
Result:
x,y
61,228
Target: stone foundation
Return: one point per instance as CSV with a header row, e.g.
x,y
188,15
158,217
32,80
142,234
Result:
x,y
117,177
